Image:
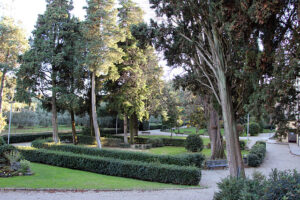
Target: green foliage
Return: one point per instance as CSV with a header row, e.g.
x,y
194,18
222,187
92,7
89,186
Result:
x,y
12,156
257,154
156,142
109,166
25,166
20,138
254,128
2,141
279,185
166,141
242,144
194,143
283,185
240,188
182,160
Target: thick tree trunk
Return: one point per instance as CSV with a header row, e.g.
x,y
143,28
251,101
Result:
x,y
1,89
216,140
125,130
54,115
94,113
236,165
74,136
133,126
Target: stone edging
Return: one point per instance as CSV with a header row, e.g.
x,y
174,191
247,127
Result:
x,y
53,190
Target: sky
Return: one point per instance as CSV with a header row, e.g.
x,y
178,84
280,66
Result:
x,y
27,11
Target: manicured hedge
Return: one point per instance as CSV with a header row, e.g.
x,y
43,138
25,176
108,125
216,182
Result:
x,y
181,160
257,154
115,167
28,137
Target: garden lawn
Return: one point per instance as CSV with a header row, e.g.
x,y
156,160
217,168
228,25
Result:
x,y
205,139
168,150
47,176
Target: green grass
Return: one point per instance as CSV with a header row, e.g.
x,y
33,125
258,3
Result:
x,y
180,150
205,140
61,178
38,129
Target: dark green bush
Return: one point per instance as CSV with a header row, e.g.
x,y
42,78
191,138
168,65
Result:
x,y
5,148
257,154
154,127
282,185
156,142
242,144
182,160
29,137
2,142
115,167
240,188
254,129
194,143
279,186
166,141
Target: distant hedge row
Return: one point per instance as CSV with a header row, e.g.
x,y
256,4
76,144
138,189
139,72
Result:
x,y
181,160
115,167
257,154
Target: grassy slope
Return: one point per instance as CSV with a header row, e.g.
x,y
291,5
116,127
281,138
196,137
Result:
x,y
61,178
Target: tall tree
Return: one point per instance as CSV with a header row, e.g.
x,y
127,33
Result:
x,y
102,35
38,74
222,32
13,43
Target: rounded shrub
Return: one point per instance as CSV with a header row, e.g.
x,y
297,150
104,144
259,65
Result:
x,y
156,142
194,143
242,144
254,128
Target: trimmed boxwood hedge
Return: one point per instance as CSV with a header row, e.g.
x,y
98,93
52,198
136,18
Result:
x,y
115,167
181,160
257,154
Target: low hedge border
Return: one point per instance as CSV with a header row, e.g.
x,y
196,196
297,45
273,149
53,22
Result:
x,y
114,167
181,160
257,154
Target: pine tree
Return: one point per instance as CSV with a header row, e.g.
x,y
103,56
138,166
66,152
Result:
x,y
102,35
39,73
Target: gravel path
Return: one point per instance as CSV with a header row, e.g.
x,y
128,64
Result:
x,y
278,156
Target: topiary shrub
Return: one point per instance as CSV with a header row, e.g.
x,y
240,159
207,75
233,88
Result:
x,y
2,142
257,154
254,129
194,143
156,142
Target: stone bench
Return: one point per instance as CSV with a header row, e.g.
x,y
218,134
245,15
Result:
x,y
146,132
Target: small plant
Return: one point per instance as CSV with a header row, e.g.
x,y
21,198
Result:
x,y
25,166
12,156
194,143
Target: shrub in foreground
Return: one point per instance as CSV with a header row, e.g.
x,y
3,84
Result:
x,y
194,143
181,160
115,167
279,185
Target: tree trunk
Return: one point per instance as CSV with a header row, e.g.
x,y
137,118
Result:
x,y
54,114
131,125
94,113
125,130
74,136
236,165
216,140
1,89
